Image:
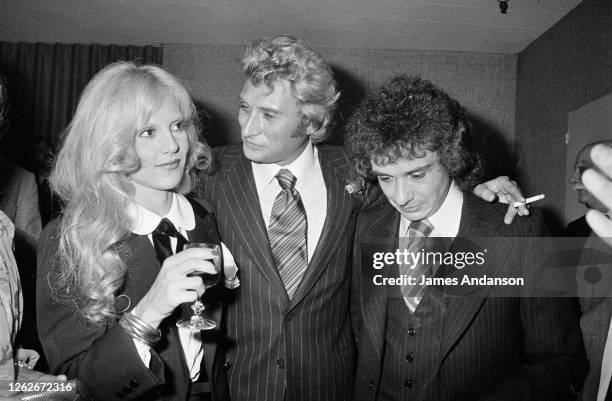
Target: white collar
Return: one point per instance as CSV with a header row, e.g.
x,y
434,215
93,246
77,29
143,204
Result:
x,y
145,221
301,168
448,216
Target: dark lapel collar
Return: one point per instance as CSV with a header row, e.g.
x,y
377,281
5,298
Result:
x,y
478,221
381,236
340,207
143,267
242,208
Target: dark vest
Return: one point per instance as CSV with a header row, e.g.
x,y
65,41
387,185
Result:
x,y
413,347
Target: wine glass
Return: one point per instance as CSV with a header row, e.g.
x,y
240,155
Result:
x,y
197,321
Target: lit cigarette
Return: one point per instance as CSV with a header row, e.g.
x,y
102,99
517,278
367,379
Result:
x,y
529,200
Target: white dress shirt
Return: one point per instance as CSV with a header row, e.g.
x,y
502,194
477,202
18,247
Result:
x,y
181,215
310,185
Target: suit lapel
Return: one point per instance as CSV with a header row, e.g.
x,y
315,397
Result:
x,y
241,206
383,224
143,269
339,212
477,223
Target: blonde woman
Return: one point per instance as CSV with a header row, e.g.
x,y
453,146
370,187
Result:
x,y
108,297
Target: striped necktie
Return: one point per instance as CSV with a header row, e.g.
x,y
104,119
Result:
x,y
288,233
418,231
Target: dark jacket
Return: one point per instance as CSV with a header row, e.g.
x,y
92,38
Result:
x,y
105,358
492,347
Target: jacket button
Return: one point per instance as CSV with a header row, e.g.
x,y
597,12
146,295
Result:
x,y
408,383
126,389
134,383
281,363
411,332
371,386
410,357
119,395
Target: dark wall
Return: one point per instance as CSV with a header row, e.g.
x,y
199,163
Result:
x,y
484,83
565,68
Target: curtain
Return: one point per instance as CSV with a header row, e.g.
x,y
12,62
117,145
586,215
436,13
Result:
x,y
45,82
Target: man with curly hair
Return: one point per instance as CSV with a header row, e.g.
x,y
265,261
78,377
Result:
x,y
415,343
286,217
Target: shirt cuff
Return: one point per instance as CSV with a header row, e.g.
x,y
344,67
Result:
x,y
229,268
144,352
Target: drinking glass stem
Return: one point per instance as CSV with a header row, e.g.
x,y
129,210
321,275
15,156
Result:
x,y
197,309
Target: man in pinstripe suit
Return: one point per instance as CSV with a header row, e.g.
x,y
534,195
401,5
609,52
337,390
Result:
x,y
413,342
288,221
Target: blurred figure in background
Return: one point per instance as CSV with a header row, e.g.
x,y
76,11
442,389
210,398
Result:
x,y
579,227
18,194
40,162
16,364
594,284
19,202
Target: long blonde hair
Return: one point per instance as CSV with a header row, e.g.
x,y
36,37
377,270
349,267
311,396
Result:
x,y
91,176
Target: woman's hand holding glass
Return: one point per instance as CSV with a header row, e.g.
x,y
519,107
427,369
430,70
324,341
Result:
x,y
197,321
173,285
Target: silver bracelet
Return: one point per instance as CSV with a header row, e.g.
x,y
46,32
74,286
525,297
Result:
x,y
139,329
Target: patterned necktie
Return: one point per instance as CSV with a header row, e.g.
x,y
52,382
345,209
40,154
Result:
x,y
288,233
418,231
161,240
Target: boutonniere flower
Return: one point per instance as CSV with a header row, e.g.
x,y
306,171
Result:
x,y
355,186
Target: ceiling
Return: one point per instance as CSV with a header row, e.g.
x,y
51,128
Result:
x,y
462,25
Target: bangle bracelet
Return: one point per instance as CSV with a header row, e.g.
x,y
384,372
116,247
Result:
x,y
139,329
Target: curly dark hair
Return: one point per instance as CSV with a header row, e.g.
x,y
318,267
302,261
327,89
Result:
x,y
406,117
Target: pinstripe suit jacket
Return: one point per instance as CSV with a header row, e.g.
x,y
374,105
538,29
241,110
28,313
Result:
x,y
492,348
304,346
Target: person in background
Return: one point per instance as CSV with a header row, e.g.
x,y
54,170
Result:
x,y
285,215
17,199
16,364
19,202
40,162
416,340
594,284
18,194
579,227
112,272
